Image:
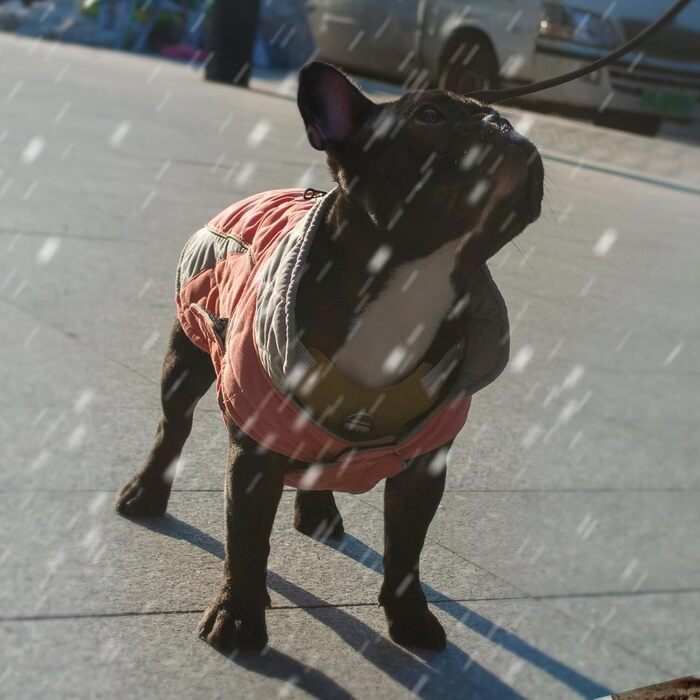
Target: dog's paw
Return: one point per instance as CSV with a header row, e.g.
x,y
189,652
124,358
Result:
x,y
416,628
316,515
227,627
143,497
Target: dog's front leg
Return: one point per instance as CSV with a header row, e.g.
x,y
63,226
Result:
x,y
410,501
236,618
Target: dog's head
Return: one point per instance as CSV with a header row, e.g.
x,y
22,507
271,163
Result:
x,y
427,168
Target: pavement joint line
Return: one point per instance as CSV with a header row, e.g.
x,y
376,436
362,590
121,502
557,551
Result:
x,y
457,489
618,172
620,489
287,489
57,617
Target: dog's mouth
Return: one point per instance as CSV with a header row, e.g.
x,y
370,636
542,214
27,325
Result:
x,y
501,192
505,167
534,182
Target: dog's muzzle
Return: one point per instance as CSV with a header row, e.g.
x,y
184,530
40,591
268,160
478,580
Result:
x,y
514,159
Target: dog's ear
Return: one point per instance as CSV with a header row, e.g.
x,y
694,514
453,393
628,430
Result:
x,y
332,108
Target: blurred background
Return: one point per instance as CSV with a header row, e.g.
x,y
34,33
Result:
x,y
563,561
451,44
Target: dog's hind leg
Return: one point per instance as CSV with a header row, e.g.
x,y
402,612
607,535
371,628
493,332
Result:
x,y
187,375
316,514
410,501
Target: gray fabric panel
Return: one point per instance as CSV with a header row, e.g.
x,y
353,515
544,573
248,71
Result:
x,y
487,336
285,357
203,251
282,354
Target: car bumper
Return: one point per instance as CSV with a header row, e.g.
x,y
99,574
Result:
x,y
646,86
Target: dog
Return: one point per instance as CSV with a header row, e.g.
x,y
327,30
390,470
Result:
x,y
346,333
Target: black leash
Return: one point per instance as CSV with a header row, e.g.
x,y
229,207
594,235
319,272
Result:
x,y
496,96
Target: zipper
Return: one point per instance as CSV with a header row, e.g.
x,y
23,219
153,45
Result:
x,y
238,239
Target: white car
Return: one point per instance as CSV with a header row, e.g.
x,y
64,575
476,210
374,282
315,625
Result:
x,y
458,45
464,46
659,80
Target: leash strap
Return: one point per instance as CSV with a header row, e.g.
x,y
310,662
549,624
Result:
x,y
496,96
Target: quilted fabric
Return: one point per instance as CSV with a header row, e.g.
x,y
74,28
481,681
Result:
x,y
236,286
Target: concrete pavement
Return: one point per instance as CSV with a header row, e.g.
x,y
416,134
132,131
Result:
x,y
563,560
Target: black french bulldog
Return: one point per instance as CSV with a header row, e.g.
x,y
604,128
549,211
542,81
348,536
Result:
x,y
439,183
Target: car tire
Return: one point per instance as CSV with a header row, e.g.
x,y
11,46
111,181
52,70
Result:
x,y
480,71
644,124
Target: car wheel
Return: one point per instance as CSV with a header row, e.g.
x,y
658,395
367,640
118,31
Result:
x,y
644,124
468,65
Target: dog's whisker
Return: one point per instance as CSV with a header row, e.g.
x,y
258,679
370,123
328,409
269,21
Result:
x,y
524,257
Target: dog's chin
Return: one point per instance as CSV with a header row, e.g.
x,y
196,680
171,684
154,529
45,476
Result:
x,y
535,189
521,149
504,187
521,184
485,236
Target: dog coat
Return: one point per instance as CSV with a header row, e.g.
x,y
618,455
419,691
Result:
x,y
236,288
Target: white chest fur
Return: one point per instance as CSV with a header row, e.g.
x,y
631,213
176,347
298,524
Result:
x,y
393,331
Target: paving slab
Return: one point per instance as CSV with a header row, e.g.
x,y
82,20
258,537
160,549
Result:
x,y
98,449
183,153
42,366
602,347
561,543
668,618
70,553
530,434
508,650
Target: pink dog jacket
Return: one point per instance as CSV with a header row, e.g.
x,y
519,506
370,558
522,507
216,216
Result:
x,y
236,289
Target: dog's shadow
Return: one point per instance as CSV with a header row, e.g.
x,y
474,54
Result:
x,y
451,673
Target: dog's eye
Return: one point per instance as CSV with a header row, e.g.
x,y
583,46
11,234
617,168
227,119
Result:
x,y
428,115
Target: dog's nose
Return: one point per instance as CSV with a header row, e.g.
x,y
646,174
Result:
x,y
505,125
499,122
